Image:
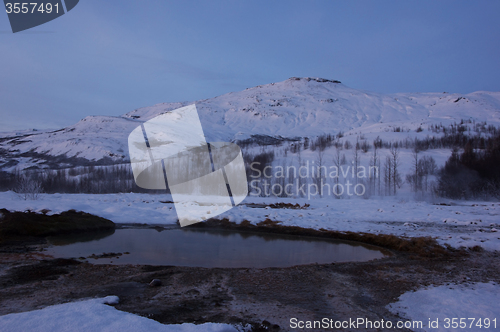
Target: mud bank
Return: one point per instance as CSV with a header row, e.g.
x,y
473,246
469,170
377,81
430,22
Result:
x,y
266,298
29,227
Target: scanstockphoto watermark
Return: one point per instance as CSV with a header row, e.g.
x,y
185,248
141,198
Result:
x,y
310,180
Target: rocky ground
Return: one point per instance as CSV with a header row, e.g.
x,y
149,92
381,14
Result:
x,y
265,298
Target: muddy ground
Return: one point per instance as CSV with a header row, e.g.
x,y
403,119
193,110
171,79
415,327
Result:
x,y
265,298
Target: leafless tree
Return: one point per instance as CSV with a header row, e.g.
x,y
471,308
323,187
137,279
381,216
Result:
x,y
355,161
388,175
415,179
337,162
320,163
28,187
374,172
396,177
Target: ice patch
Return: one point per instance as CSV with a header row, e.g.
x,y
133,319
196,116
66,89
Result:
x,y
95,315
478,300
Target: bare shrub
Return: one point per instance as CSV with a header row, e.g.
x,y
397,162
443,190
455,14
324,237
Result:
x,y
28,187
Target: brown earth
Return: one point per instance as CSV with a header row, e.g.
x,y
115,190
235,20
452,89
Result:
x,y
265,298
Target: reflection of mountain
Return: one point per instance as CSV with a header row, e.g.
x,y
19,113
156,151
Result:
x,y
267,237
208,248
297,107
62,240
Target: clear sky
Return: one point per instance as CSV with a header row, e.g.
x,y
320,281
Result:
x,y
109,57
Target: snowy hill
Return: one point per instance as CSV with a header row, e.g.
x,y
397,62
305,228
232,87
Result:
x,y
297,107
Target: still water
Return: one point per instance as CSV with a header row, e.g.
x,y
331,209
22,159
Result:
x,y
209,248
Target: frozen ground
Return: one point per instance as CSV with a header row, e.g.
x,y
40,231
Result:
x,y
95,315
475,303
458,223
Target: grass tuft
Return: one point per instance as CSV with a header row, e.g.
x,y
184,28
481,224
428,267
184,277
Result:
x,y
422,246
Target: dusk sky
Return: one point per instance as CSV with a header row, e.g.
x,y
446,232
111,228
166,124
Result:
x,y
111,57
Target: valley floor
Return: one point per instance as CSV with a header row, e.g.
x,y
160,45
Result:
x,y
403,287
453,285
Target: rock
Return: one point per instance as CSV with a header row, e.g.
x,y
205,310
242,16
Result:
x,y
155,283
111,300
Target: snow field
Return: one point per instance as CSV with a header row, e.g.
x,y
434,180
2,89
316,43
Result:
x,y
458,223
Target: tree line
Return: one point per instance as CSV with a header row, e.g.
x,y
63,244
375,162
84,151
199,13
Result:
x,y
472,173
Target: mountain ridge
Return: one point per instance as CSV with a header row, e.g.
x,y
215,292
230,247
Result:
x,y
296,107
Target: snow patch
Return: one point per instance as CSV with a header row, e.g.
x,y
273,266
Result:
x,y
95,315
479,300
474,226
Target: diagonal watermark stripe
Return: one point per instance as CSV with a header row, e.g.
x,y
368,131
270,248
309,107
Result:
x,y
25,15
204,180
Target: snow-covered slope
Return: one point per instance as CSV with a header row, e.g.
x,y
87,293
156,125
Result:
x,y
307,107
297,107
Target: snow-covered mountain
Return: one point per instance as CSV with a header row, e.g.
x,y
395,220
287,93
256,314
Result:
x,y
297,107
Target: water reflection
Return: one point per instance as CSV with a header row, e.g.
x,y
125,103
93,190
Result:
x,y
61,240
212,248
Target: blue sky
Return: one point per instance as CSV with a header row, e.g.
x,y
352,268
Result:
x,y
111,57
